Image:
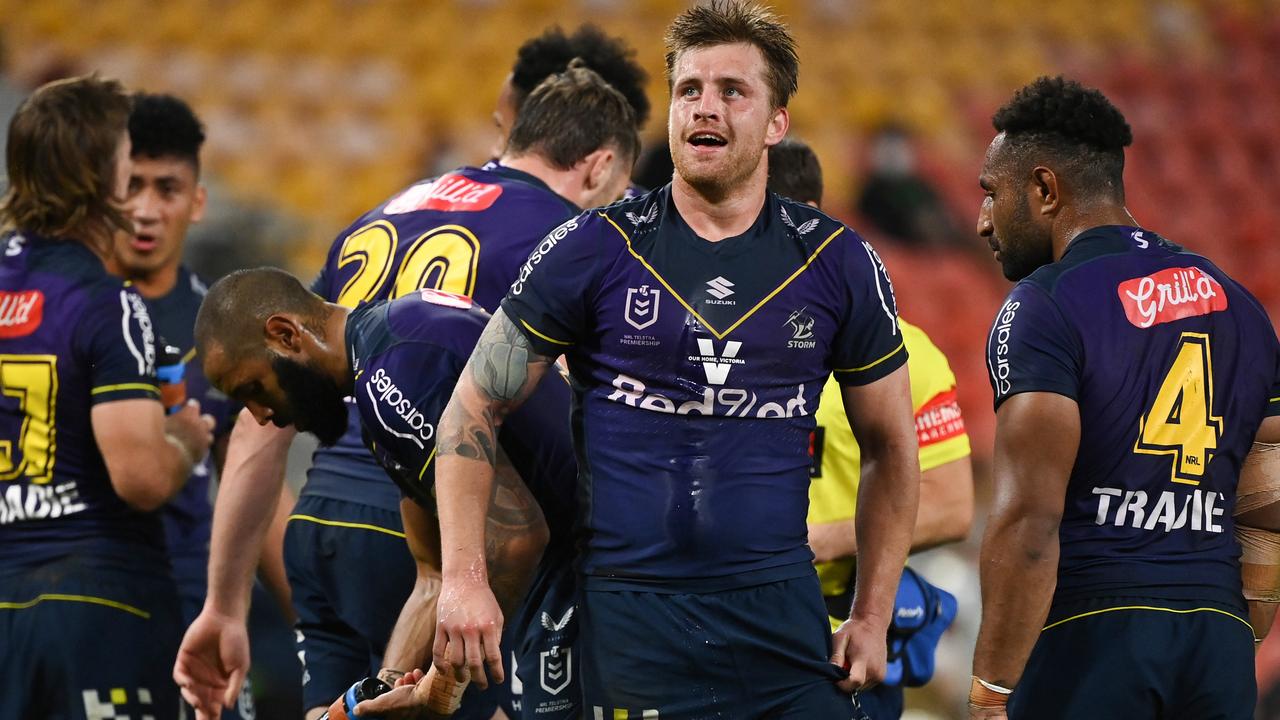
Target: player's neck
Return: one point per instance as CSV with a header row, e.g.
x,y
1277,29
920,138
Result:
x,y
716,214
156,284
1072,224
336,361
561,182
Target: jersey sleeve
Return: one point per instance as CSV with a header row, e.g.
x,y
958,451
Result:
x,y
400,395
1032,347
869,344
549,299
116,337
1273,397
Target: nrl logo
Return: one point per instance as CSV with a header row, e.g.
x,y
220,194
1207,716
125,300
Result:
x,y
804,228
642,306
644,219
555,669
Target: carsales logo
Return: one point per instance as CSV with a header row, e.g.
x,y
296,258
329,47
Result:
x,y
1169,295
999,353
449,193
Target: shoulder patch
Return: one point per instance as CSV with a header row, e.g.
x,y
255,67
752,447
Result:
x,y
447,299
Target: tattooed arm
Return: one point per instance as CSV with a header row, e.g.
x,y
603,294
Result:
x,y
502,372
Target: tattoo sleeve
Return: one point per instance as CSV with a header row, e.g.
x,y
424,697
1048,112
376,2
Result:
x,y
515,535
504,369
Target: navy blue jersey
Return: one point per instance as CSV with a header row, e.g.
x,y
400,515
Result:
x,y
407,355
188,517
465,232
1173,365
71,336
697,368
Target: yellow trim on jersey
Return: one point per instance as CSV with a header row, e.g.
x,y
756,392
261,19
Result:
x,y
191,355
1149,607
43,597
1274,399
892,352
530,328
427,464
342,524
721,335
124,386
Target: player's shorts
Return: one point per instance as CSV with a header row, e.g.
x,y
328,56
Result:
x,y
752,652
350,572
1097,660
543,637
82,639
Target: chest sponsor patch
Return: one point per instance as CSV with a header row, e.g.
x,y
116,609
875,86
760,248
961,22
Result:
x,y
1169,295
447,193
20,312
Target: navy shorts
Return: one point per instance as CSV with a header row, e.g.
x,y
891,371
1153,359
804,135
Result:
x,y
543,638
755,652
83,640
1096,659
350,572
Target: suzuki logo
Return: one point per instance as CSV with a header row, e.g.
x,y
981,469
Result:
x,y
719,288
717,366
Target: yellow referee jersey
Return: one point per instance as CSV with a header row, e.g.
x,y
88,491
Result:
x,y
833,494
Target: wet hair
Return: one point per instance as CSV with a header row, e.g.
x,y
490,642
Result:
x,y
610,57
236,308
724,22
164,126
1074,126
794,171
61,158
571,115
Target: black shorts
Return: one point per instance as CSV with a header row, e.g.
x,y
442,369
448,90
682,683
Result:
x,y
1139,659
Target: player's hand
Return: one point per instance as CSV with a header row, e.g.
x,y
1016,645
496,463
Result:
x,y
193,431
408,700
212,663
987,713
468,631
859,647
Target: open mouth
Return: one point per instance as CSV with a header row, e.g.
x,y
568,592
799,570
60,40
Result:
x,y
707,140
144,242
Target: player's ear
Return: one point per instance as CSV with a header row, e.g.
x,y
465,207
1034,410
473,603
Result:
x,y
1046,190
284,334
598,168
198,203
778,126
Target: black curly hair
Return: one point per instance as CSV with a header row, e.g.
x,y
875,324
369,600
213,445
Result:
x,y
1074,125
165,126
611,58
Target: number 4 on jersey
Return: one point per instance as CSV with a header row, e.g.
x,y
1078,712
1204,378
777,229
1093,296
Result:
x,y
1180,422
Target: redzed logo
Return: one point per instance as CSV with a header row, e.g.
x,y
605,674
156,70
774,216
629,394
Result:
x,y
1169,295
939,419
20,312
448,193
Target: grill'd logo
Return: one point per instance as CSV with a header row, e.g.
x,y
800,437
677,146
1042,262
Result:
x,y
448,193
1169,295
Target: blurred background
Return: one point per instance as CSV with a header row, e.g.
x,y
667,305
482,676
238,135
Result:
x,y
317,110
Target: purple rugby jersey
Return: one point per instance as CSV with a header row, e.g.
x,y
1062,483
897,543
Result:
x,y
696,369
1173,365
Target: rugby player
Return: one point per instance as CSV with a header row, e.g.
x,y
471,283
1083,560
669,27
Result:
x,y
693,414
165,197
89,613
946,478
1131,378
467,232
292,358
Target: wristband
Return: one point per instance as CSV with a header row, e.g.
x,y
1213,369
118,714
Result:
x,y
983,694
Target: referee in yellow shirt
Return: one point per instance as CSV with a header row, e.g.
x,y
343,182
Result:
x,y
946,482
